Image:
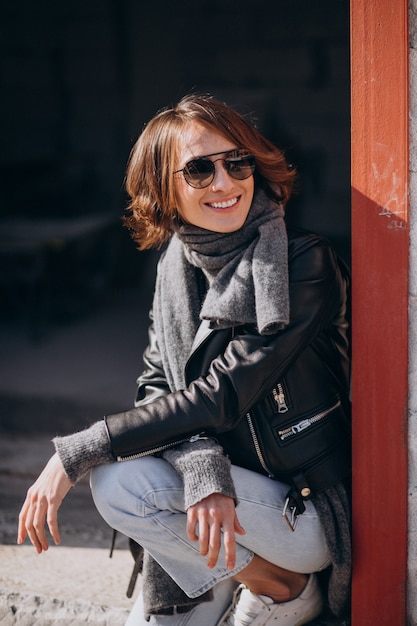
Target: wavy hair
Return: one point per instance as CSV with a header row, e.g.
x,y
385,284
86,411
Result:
x,y
151,214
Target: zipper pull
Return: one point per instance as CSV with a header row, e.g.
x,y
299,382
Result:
x,y
198,437
279,397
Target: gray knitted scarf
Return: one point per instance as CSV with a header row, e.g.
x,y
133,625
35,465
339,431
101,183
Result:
x,y
247,276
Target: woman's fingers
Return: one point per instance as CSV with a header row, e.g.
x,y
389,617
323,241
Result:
x,y
211,521
26,524
36,526
238,528
204,526
32,520
41,506
214,544
229,547
52,521
192,522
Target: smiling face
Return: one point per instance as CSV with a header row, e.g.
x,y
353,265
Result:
x,y
224,205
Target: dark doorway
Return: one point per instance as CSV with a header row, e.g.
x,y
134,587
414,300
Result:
x,y
80,80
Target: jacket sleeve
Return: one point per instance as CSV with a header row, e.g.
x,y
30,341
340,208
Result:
x,y
152,383
245,370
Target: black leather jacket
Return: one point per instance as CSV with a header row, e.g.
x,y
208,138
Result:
x,y
297,374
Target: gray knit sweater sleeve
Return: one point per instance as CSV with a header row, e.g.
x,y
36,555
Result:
x,y
201,463
83,450
203,468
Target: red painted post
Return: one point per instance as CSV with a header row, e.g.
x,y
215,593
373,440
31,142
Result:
x,y
380,241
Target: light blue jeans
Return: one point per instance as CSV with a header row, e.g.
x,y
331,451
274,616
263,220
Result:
x,y
144,499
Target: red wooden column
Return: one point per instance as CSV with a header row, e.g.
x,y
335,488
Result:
x,y
380,238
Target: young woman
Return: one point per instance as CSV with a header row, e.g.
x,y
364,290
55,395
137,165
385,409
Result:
x,y
248,325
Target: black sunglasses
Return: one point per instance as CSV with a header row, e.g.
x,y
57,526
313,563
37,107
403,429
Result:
x,y
200,172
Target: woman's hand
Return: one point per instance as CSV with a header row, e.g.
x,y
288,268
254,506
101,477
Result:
x,y
41,506
212,515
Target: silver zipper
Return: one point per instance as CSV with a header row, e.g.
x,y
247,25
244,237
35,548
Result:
x,y
279,397
306,423
162,448
256,444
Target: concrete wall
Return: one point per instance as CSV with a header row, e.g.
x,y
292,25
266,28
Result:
x,y
412,545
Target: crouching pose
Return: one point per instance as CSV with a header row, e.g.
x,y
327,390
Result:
x,y
231,471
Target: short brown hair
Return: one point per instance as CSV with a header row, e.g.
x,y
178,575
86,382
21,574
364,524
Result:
x,y
151,212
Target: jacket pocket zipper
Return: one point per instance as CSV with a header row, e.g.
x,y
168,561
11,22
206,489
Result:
x,y
161,448
295,429
257,446
279,397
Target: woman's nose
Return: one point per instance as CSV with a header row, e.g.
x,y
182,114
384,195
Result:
x,y
222,179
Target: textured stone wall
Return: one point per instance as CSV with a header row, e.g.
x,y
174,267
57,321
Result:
x,y
412,543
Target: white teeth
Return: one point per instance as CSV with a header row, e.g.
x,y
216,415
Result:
x,y
223,205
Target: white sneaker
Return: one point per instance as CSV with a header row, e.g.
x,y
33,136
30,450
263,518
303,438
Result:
x,y
249,609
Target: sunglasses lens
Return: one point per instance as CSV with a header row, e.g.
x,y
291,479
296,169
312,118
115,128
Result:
x,y
241,167
199,173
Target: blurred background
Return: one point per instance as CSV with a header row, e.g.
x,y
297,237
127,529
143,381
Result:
x,y
78,81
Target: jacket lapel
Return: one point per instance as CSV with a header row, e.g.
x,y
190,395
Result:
x,y
202,333
208,344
